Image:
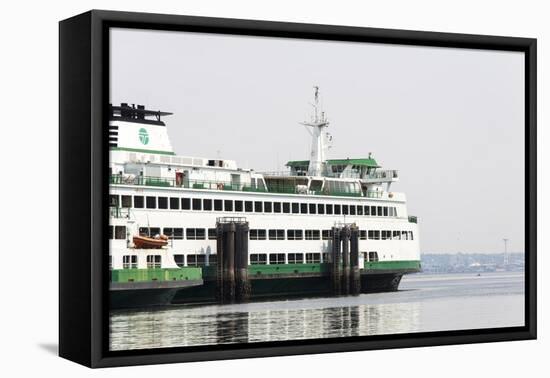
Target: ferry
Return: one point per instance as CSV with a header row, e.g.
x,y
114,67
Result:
x,y
165,211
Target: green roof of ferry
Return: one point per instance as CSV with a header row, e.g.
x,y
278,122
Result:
x,y
369,162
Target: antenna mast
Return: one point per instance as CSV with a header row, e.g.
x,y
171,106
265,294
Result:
x,y
319,141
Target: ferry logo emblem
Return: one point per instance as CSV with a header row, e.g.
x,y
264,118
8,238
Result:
x,y
143,136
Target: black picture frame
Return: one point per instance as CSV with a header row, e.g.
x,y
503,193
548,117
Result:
x,y
83,102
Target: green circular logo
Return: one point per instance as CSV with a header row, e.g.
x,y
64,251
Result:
x,y
143,136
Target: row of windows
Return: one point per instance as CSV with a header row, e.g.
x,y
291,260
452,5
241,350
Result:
x,y
175,203
154,261
260,234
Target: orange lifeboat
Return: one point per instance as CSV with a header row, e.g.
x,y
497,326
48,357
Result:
x,y
145,242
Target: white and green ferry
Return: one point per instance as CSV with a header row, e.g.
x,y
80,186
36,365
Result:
x,y
158,194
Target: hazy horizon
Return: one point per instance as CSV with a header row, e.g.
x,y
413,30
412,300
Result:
x,y
450,120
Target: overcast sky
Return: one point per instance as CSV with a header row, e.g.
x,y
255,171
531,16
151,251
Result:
x,y
450,120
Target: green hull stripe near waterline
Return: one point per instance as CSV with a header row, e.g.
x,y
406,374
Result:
x,y
197,273
156,274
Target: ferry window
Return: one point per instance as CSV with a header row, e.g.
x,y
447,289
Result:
x,y
113,200
197,204
195,233
185,203
359,210
326,234
238,205
126,201
396,235
363,234
367,210
212,234
303,208
153,261
258,259
111,232
329,209
174,203
386,235
295,258
379,213
410,235
257,234
337,210
120,232
374,235
385,211
312,208
312,235
267,207
201,233
248,206
138,202
351,209
207,204
168,231
313,258
294,234
373,210
178,233
228,205
403,235
144,231
390,211
286,207
129,262
258,206
276,234
345,209
276,258
373,256
295,208
179,260
196,260
276,207
218,205
151,202
320,208
154,231
163,202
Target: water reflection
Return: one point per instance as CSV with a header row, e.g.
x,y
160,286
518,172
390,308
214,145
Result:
x,y
211,325
424,304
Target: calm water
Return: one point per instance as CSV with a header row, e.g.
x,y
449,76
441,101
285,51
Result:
x,y
423,303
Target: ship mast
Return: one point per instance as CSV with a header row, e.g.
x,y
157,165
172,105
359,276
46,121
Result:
x,y
319,145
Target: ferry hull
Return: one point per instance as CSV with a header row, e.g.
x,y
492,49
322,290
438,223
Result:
x,y
262,289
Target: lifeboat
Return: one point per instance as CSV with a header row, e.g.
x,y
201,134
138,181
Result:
x,y
145,242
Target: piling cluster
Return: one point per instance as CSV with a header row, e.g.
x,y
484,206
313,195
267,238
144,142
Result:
x,y
345,272
233,284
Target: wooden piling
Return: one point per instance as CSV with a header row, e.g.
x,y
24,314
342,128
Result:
x,y
355,284
336,260
241,263
345,236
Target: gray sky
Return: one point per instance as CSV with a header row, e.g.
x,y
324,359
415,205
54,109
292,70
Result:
x,y
450,120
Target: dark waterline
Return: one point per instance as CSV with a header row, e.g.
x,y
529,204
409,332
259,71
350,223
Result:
x,y
423,303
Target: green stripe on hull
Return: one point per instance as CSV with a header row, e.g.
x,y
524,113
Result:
x,y
393,265
157,274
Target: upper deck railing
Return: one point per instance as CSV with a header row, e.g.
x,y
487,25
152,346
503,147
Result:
x,y
279,188
384,175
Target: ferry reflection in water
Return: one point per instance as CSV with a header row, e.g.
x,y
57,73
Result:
x,y
424,303
220,325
